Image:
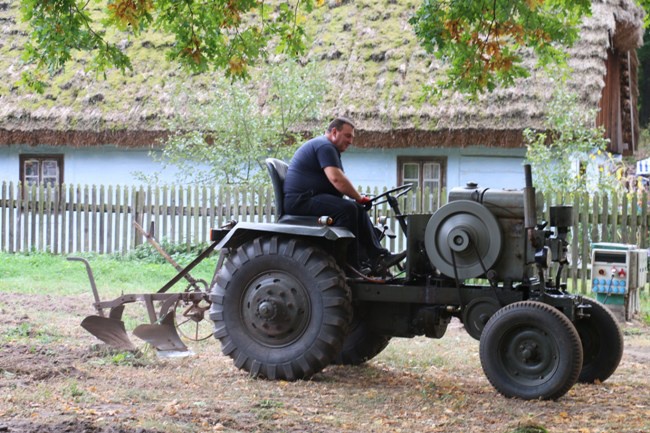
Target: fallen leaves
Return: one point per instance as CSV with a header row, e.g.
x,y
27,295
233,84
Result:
x,y
422,385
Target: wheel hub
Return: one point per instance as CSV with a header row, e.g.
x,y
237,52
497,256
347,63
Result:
x,y
530,356
528,352
267,310
275,308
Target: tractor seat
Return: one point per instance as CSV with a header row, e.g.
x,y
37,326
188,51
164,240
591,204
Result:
x,y
278,171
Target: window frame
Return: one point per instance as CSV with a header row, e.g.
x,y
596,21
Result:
x,y
23,157
421,160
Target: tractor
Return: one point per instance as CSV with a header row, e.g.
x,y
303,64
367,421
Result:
x,y
284,307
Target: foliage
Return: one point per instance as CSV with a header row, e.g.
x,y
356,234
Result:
x,y
132,359
645,4
643,146
483,44
238,132
563,157
529,429
214,35
180,253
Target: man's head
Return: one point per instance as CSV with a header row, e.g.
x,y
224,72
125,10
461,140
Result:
x,y
341,133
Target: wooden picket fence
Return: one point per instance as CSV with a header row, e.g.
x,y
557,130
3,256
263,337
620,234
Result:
x,y
598,218
82,218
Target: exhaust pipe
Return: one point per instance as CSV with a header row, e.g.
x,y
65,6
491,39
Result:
x,y
530,215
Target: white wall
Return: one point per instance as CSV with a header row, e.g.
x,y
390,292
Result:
x,y
103,165
502,170
109,165
489,167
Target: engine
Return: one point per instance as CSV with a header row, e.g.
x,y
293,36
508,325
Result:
x,y
493,233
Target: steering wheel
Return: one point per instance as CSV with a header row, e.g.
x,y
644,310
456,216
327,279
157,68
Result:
x,y
400,190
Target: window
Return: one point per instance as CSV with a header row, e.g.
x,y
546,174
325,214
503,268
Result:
x,y
45,169
427,176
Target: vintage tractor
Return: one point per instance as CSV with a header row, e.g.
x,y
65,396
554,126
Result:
x,y
283,306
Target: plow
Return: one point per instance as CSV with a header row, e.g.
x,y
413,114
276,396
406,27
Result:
x,y
283,306
171,315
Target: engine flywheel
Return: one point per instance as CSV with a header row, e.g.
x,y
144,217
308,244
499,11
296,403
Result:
x,y
463,239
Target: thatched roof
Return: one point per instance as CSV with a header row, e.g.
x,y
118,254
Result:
x,y
366,47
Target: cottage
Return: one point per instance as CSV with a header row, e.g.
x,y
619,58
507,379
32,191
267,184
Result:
x,y
86,129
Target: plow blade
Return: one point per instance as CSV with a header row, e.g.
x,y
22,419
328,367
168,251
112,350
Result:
x,y
110,330
162,336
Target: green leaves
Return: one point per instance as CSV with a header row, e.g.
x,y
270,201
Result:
x,y
243,124
482,43
571,156
212,35
58,29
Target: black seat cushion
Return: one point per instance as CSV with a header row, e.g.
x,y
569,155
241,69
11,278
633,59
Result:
x,y
278,171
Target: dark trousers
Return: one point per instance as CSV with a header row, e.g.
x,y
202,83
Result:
x,y
345,213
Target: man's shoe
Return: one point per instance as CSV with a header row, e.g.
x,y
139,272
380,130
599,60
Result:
x,y
352,272
385,261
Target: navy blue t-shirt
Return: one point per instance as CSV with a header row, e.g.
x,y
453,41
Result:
x,y
306,168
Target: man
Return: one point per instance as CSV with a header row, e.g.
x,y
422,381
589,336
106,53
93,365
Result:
x,y
315,185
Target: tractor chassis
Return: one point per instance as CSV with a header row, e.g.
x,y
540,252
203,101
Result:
x,y
399,310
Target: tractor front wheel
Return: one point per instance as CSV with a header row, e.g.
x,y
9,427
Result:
x,y
602,343
281,308
531,350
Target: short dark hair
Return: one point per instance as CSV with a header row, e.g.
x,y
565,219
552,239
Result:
x,y
339,122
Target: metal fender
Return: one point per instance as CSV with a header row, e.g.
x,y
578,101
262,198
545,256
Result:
x,y
244,231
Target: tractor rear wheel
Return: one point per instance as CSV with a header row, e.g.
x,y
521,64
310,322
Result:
x,y
361,344
281,308
602,343
531,350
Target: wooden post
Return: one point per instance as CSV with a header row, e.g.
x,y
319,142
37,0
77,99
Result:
x,y
124,213
102,221
110,210
595,236
12,221
172,209
86,219
624,221
604,220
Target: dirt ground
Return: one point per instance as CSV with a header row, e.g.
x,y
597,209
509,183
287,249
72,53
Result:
x,y
55,378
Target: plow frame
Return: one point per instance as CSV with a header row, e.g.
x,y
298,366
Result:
x,y
161,330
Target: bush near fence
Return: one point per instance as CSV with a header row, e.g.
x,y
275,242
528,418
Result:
x,y
82,218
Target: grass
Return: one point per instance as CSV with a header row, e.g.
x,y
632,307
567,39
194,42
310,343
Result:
x,y
142,271
53,274
529,429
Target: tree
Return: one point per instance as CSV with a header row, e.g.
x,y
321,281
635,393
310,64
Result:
x,y
481,41
237,132
222,35
572,156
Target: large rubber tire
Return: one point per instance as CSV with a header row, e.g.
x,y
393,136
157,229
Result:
x,y
281,308
361,344
531,350
602,343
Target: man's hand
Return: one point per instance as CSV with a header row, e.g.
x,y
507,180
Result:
x,y
364,199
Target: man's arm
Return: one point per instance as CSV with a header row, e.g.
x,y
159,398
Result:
x,y
341,182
